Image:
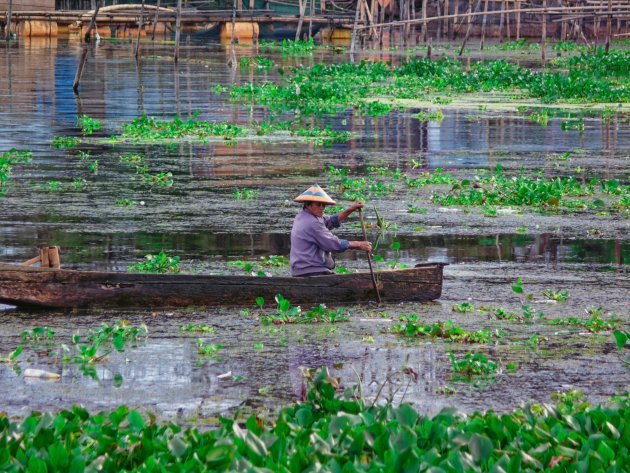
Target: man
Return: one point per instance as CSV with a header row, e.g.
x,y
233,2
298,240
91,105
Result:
x,y
312,242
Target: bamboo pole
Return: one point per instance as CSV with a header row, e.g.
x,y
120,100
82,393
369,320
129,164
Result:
x,y
8,22
508,32
232,60
608,26
501,23
79,73
543,43
447,24
140,27
155,20
178,29
87,37
355,28
456,27
483,24
310,19
438,32
425,24
517,5
468,27
302,10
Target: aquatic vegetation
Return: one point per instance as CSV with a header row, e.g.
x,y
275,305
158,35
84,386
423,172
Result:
x,y
88,124
197,328
596,323
53,186
463,307
341,422
621,338
131,158
146,129
323,136
246,194
8,159
161,179
259,63
473,365
125,202
432,116
274,260
38,334
160,263
288,314
209,350
65,141
410,326
78,184
299,46
559,296
13,356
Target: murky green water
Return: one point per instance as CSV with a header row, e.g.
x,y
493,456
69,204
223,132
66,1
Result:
x,y
199,220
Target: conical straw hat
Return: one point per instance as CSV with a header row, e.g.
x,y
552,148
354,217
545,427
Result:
x,y
315,194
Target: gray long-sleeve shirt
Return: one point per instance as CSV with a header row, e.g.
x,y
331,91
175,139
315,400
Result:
x,y
312,243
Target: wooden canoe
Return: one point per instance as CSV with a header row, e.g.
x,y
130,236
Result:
x,y
64,288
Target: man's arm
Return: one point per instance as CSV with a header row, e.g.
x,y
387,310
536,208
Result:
x,y
344,214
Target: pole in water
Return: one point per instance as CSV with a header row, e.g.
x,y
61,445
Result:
x,y
369,255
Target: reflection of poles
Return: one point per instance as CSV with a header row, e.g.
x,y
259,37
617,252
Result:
x,y
155,19
79,73
178,28
8,22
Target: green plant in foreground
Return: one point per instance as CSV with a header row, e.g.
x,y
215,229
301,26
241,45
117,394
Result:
x,y
596,323
197,328
351,434
160,263
38,334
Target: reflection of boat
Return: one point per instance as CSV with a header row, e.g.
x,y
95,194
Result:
x,y
63,288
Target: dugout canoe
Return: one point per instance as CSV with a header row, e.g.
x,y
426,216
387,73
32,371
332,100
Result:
x,y
65,288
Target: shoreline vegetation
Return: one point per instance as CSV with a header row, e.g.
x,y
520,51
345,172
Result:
x,y
329,431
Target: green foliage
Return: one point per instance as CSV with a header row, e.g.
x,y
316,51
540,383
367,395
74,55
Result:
x,y
288,314
299,46
463,307
197,328
411,327
7,160
160,263
246,194
259,63
38,334
336,432
146,129
209,350
596,323
621,338
65,141
559,296
88,124
472,365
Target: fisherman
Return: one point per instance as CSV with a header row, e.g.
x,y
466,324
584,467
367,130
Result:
x,y
312,242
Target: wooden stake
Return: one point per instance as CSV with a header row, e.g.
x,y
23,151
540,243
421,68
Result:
x,y
517,6
468,27
155,19
8,22
424,23
483,24
302,9
543,44
140,26
79,73
54,261
87,38
354,30
608,26
178,29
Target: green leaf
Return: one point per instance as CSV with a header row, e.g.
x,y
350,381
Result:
x,y
36,465
260,301
219,457
480,447
118,342
621,338
177,446
395,246
136,420
58,455
607,453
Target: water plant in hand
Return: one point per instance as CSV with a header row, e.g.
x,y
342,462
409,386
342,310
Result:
x,y
160,263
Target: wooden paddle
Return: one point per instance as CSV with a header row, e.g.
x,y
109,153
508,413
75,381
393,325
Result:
x,y
369,256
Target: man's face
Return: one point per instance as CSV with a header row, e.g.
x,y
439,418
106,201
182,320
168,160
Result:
x,y
316,208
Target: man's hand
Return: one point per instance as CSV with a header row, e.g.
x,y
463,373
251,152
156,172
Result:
x,y
361,245
359,204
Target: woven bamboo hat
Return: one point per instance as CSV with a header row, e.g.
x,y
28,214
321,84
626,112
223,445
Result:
x,y
315,194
